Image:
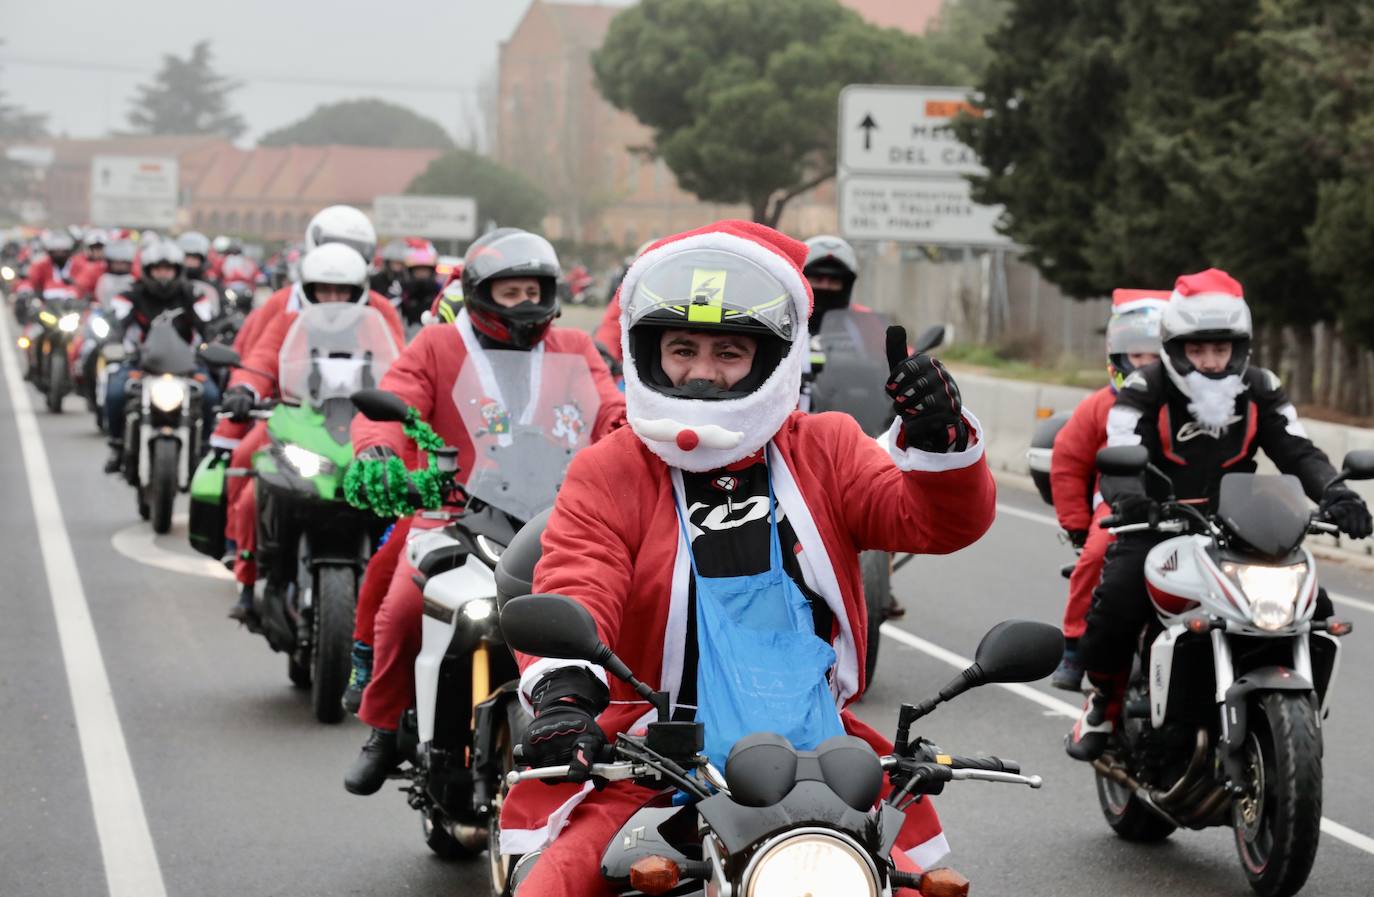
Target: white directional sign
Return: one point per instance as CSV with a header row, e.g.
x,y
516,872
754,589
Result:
x,y
436,217
916,210
887,129
133,191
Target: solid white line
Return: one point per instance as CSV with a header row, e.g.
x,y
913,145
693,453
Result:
x,y
138,543
1064,708
1047,520
126,844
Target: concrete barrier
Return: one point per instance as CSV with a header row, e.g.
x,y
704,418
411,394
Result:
x,y
1008,410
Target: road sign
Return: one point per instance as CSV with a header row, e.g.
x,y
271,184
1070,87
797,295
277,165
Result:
x,y
436,217
133,191
929,210
890,129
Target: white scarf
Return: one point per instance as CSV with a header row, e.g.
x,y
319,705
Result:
x,y
1214,401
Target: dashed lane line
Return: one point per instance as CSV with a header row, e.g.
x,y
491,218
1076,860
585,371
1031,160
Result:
x,y
126,843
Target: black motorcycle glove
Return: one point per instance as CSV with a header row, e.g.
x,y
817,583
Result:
x,y
566,702
1348,511
1134,507
925,397
238,403
1077,537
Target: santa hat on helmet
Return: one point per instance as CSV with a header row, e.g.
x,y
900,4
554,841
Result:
x,y
1206,306
1124,301
704,434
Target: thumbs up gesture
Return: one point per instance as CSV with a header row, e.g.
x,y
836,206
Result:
x,y
925,397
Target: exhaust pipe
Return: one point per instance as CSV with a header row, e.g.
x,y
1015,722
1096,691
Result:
x,y
1192,801
472,837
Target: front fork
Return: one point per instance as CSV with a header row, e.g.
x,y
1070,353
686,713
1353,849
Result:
x,y
1232,696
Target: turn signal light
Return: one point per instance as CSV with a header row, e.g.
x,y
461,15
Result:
x,y
1339,627
1198,623
1042,413
944,883
654,875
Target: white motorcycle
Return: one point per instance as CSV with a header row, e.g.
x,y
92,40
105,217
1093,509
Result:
x,y
1223,714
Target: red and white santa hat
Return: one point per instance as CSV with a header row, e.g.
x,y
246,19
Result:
x,y
696,434
1208,303
1126,301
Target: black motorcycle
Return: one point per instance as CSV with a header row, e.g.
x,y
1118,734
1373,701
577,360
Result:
x,y
54,321
777,820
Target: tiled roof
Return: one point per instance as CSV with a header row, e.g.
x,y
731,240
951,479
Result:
x,y
912,16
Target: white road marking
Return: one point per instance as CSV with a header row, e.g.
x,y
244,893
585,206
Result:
x,y
1055,706
139,543
1047,520
126,844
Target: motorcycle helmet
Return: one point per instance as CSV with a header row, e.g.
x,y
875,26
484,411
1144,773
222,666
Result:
x,y
58,245
1205,307
119,253
334,263
163,252
342,224
421,254
194,244
93,238
1133,327
829,256
510,252
394,251
221,244
731,277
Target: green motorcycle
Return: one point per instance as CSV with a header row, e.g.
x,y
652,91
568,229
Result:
x,y
312,546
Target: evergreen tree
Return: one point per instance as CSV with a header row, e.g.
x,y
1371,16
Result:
x,y
187,97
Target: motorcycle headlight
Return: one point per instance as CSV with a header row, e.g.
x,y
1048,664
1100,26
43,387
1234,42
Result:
x,y
307,463
491,552
7,272
1271,591
478,609
100,327
167,394
69,323
814,863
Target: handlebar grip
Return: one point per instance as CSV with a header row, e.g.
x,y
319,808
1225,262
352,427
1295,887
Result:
x,y
987,764
1109,521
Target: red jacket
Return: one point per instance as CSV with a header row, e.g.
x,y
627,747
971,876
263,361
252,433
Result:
x,y
43,276
613,545
427,372
1073,464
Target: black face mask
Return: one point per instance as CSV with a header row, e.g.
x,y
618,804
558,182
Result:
x,y
826,300
422,290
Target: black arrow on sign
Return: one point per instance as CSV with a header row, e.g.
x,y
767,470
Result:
x,y
868,124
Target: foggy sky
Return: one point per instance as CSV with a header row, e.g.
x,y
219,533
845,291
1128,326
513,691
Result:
x,y
449,44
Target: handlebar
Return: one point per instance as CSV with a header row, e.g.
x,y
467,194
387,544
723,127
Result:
x,y
611,772
987,764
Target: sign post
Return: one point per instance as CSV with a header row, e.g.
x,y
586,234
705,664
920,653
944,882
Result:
x,y
134,191
433,217
902,171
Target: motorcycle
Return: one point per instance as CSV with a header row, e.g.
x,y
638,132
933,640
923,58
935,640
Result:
x,y
467,717
163,436
53,322
1223,712
312,546
846,372
777,820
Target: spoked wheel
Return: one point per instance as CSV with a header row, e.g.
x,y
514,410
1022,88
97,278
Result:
x,y
1277,821
876,568
505,746
336,594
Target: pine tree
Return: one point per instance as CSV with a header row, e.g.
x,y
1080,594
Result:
x,y
187,97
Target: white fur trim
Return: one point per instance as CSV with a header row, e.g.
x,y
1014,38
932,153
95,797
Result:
x,y
675,635
762,412
1121,424
223,442
911,459
515,840
535,671
1294,426
926,854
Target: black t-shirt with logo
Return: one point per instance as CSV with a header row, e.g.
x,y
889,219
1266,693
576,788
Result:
x,y
727,522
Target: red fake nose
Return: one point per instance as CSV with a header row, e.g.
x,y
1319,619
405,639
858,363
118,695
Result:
x,y
688,440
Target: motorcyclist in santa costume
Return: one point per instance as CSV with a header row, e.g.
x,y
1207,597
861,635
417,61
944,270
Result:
x,y
341,272
720,511
1132,342
1203,411
510,279
333,224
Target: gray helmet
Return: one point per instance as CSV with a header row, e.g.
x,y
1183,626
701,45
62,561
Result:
x,y
193,242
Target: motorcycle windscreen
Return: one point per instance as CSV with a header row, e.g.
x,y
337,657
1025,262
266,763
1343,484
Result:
x,y
854,345
1269,513
332,350
164,351
527,413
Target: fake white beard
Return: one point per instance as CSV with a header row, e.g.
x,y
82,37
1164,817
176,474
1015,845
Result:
x,y
1214,401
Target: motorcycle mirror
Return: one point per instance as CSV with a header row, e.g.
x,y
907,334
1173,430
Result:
x,y
380,405
551,626
930,338
220,356
1019,651
1123,460
1358,465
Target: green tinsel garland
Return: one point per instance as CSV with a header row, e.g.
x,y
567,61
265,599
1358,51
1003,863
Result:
x,y
381,486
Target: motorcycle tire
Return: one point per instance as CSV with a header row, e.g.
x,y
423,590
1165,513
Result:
x,y
438,839
1277,822
297,672
57,381
500,866
335,600
162,484
1128,816
876,568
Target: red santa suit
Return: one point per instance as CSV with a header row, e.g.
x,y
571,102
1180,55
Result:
x,y
614,544
43,275
86,273
1077,503
425,376
265,356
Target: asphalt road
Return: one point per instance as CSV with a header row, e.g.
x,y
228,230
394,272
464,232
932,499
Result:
x,y
242,791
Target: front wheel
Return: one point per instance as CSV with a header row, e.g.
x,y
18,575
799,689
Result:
x,y
876,568
162,483
1277,821
500,865
335,599
57,380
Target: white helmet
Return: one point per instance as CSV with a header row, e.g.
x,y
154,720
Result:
x,y
161,252
334,263
342,224
1205,307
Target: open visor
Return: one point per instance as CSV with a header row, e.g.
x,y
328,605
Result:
x,y
333,350
712,289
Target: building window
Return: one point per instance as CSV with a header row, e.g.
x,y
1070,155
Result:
x,y
269,224
231,222
250,224
214,223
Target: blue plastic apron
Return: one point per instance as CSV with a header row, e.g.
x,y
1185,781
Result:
x,y
760,666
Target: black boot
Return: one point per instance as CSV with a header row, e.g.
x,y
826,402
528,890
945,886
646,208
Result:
x,y
116,459
377,759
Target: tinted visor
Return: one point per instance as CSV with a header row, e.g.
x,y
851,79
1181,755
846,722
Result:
x,y
711,289
519,254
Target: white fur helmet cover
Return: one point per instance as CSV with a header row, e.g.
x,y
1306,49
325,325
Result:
x,y
699,435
